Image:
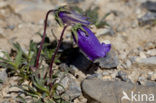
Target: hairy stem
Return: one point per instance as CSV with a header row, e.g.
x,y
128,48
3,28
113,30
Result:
x,y
43,38
53,57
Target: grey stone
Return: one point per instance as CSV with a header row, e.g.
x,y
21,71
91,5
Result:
x,y
148,18
149,63
151,52
105,73
74,91
11,27
71,86
74,1
143,81
149,45
128,63
123,76
150,83
63,67
109,61
95,76
73,70
149,5
99,91
105,31
3,75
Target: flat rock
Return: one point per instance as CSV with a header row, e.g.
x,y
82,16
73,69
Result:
x,y
148,63
148,18
109,61
99,91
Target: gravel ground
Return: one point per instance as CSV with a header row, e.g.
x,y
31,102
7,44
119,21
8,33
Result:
x,y
133,39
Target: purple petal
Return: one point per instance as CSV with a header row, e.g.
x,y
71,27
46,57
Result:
x,y
106,46
90,45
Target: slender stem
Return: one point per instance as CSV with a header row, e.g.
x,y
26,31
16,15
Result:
x,y
43,38
53,57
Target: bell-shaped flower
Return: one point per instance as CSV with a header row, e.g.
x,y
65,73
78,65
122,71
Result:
x,y
64,15
89,43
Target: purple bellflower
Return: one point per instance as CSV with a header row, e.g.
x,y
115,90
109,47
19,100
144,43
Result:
x,y
88,42
83,36
64,15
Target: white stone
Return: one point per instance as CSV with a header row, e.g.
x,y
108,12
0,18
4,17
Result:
x,y
151,52
142,55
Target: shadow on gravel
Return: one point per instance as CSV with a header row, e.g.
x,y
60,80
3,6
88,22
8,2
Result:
x,y
73,56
